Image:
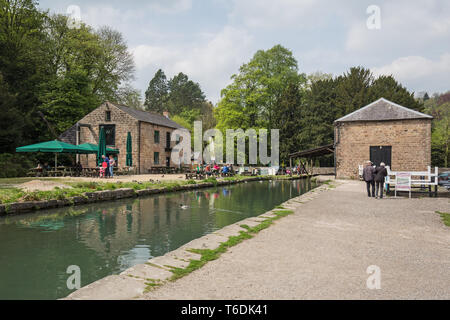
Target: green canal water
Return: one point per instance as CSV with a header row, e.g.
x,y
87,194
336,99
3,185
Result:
x,y
109,237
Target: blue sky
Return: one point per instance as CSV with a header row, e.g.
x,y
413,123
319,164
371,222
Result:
x,y
209,39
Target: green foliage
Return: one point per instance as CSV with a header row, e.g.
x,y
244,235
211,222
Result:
x,y
157,93
15,165
445,217
51,71
439,108
252,99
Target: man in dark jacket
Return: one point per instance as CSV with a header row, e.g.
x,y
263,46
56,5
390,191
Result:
x,y
380,173
368,173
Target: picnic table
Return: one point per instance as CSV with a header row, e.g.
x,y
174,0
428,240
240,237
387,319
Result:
x,y
52,172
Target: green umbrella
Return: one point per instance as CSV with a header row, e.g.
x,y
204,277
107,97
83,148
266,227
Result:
x,y
93,148
129,160
50,146
101,146
54,146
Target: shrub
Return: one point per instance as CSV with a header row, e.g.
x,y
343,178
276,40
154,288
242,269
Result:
x,y
15,165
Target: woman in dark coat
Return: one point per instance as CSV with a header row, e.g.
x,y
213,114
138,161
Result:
x,y
380,173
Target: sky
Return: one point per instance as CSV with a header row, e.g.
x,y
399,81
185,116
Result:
x,y
210,39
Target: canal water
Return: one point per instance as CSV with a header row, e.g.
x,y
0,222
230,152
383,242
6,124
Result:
x,y
108,237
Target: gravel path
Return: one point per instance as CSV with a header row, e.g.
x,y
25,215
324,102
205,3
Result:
x,y
324,249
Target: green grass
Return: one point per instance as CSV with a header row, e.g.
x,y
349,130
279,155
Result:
x,y
445,217
212,254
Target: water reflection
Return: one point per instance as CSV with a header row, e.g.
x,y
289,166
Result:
x,y
106,238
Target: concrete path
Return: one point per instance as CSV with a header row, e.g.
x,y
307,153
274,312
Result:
x,y
324,249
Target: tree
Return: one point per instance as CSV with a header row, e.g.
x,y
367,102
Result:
x,y
252,99
439,108
287,120
184,94
129,96
10,119
23,60
387,87
157,93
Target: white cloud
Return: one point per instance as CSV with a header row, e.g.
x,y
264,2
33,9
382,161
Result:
x,y
419,72
405,26
281,13
170,6
210,61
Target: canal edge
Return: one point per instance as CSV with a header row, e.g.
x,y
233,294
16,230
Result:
x,y
134,282
16,208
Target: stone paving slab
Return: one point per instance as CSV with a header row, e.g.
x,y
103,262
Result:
x,y
115,287
146,271
167,261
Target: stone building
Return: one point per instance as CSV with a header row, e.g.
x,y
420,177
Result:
x,y
150,132
382,131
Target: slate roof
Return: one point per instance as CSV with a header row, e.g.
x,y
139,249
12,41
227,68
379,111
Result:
x,y
150,117
382,110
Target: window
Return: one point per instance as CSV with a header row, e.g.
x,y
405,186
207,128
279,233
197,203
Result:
x,y
107,115
156,158
110,133
167,139
156,136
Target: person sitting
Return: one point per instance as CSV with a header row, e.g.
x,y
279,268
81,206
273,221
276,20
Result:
x,y
216,168
225,170
208,170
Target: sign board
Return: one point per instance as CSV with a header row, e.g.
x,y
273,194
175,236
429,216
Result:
x,y
403,182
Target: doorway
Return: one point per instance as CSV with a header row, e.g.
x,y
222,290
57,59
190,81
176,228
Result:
x,y
380,154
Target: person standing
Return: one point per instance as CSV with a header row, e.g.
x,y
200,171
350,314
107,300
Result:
x,y
368,176
380,173
107,167
112,163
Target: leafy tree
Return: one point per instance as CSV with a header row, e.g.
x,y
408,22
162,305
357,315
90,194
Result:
x,y
67,99
288,120
252,99
387,87
157,93
439,108
10,119
318,114
129,96
185,95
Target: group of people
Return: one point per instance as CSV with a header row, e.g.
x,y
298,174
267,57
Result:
x,y
374,178
214,169
107,167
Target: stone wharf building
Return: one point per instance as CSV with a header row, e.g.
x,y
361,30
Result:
x,y
150,133
382,131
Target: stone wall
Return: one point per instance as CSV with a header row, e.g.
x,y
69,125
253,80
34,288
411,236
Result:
x,y
124,123
410,141
149,147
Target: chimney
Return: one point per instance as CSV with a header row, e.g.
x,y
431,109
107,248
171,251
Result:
x,y
166,114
